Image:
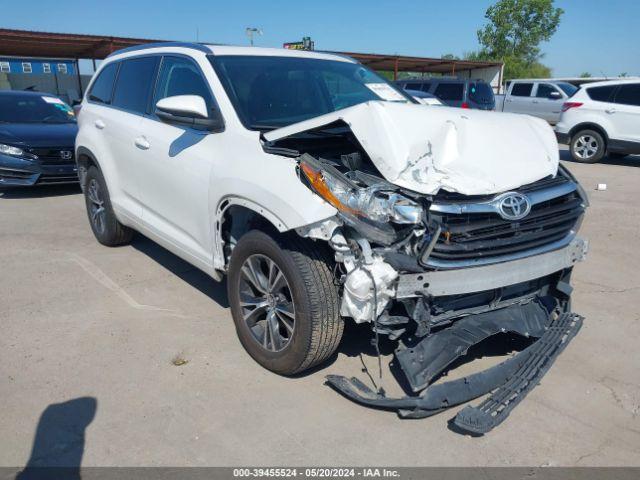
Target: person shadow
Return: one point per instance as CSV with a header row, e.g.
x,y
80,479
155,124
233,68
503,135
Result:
x,y
59,441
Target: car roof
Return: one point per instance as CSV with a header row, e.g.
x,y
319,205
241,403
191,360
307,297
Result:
x,y
609,82
186,47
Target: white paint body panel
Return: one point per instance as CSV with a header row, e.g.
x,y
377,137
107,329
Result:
x,y
173,194
472,152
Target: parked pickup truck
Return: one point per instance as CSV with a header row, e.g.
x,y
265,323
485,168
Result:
x,y
540,98
326,194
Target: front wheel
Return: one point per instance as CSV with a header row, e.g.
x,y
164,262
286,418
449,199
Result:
x,y
104,224
587,146
284,302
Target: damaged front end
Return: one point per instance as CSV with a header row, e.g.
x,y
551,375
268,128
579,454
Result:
x,y
441,272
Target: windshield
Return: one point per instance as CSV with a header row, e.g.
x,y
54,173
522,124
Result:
x,y
567,88
20,108
480,92
272,92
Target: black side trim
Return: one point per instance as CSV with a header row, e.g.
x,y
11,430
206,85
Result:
x,y
624,146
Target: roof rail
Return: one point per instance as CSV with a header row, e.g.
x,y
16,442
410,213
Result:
x,y
195,46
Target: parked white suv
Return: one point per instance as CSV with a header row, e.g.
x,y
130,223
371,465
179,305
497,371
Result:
x,y
324,193
602,118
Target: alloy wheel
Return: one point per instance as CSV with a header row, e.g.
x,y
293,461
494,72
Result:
x,y
266,303
97,211
585,147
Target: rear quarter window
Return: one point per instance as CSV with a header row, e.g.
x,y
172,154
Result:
x,y
480,92
601,94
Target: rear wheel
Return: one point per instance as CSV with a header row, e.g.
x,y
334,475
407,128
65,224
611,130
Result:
x,y
587,146
284,302
106,227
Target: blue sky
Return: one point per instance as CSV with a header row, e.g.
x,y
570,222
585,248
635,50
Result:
x,y
595,36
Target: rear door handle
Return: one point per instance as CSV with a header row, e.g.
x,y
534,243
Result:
x,y
99,124
534,101
142,143
610,110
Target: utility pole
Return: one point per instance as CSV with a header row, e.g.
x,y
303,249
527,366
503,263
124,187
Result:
x,y
251,31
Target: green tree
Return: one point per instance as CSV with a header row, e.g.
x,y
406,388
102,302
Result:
x,y
624,74
516,28
513,35
450,56
585,75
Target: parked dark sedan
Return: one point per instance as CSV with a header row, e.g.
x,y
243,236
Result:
x,y
37,136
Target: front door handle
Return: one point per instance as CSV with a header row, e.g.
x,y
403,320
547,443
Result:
x,y
99,124
610,110
142,143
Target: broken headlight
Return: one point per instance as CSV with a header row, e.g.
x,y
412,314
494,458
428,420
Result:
x,y
372,203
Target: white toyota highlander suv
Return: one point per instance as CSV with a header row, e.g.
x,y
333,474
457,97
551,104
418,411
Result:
x,y
602,118
324,193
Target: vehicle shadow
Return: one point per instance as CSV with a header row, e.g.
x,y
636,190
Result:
x,y
216,291
628,161
16,193
59,441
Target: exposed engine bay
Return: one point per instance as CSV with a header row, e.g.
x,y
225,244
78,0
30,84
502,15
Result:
x,y
439,272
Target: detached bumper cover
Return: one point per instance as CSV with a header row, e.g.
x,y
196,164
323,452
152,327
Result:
x,y
509,382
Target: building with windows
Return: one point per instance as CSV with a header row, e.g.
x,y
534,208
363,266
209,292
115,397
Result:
x,y
37,65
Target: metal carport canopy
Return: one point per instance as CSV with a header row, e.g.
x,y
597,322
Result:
x,y
23,43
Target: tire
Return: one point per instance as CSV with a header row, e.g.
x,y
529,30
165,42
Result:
x,y
303,310
104,224
587,146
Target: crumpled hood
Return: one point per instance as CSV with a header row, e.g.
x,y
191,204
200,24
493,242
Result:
x,y
426,148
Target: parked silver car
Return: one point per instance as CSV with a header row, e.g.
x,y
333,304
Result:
x,y
540,98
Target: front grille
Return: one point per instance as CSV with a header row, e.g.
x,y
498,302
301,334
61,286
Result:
x,y
472,236
53,155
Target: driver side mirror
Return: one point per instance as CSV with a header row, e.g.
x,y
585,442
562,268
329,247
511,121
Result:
x,y
555,95
188,110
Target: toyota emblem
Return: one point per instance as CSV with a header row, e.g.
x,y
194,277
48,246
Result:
x,y
65,155
514,206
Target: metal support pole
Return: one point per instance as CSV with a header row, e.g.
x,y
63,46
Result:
x,y
78,75
395,70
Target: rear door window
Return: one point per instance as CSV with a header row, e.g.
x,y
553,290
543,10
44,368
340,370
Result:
x,y
629,94
545,90
135,83
522,89
102,88
601,94
450,91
